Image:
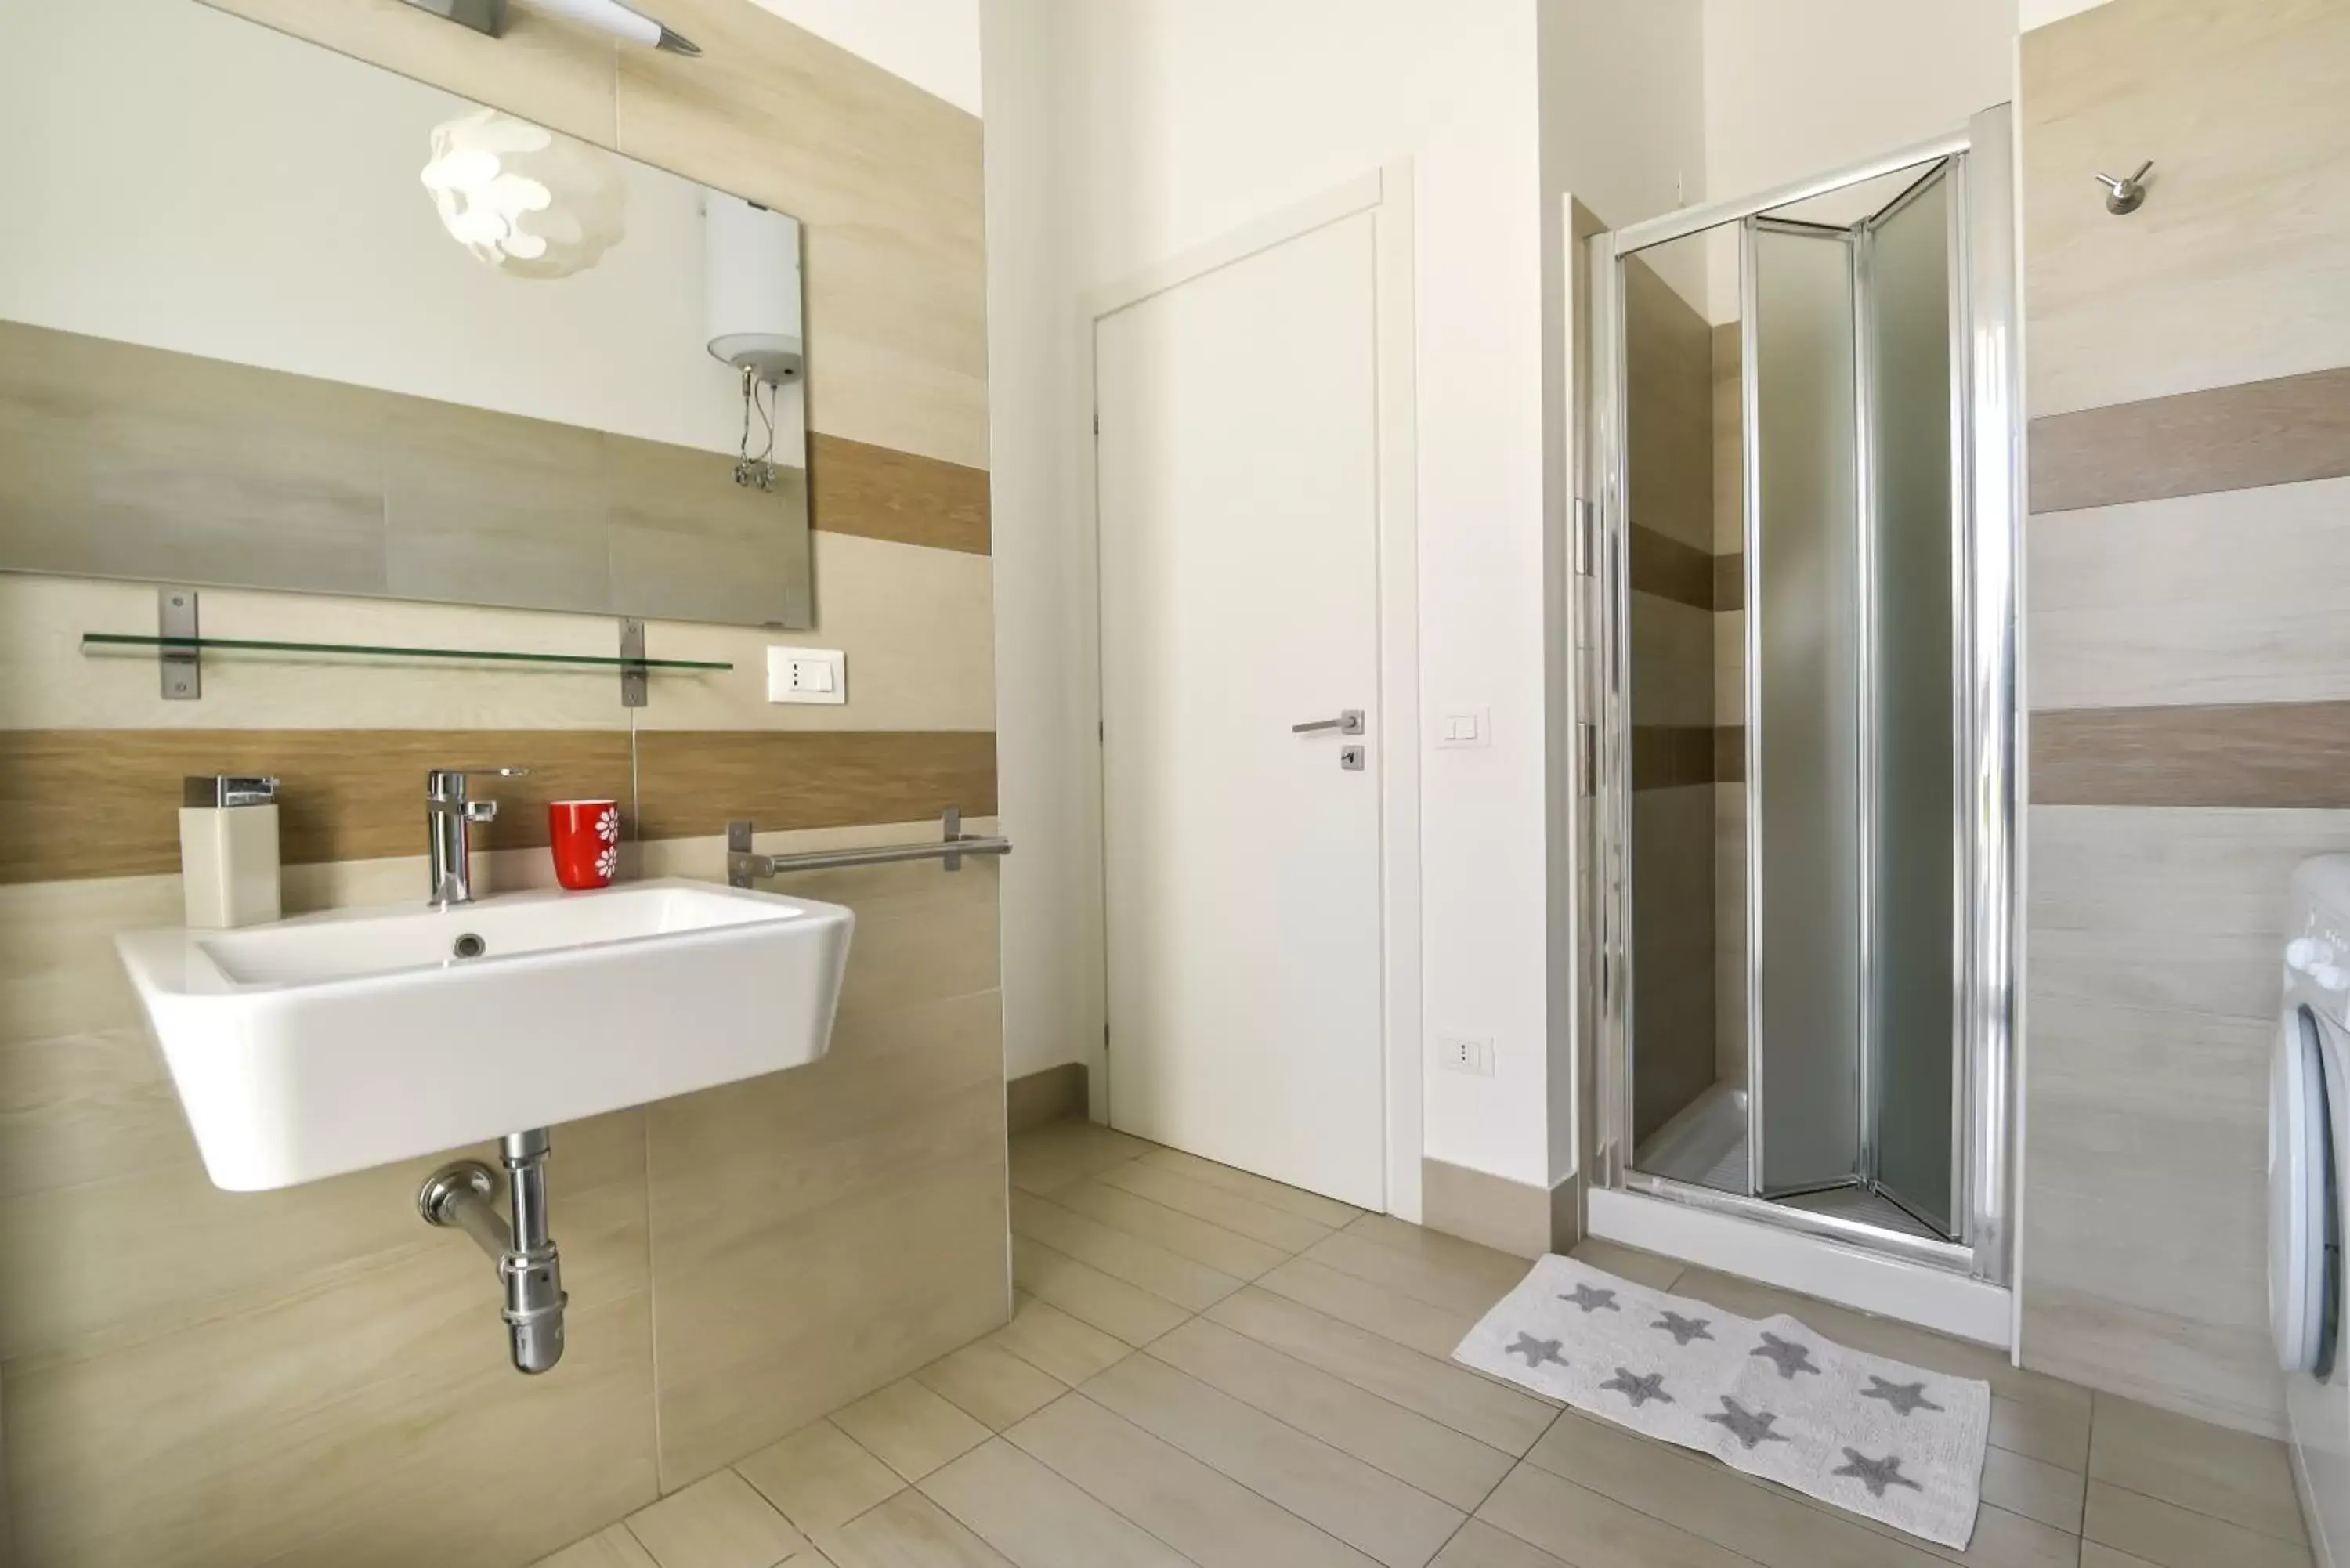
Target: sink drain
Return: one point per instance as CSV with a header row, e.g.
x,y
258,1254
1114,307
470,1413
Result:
x,y
470,946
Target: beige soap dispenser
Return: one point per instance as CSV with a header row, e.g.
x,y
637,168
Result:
x,y
228,851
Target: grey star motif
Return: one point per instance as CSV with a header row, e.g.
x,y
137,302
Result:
x,y
1639,1390
1903,1396
1875,1474
1591,1298
1786,1356
1537,1351
1682,1329
1749,1427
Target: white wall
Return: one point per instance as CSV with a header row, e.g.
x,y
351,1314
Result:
x,y
2039,13
1173,122
249,196
933,43
1797,87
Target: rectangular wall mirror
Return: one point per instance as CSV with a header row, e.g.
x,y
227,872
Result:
x,y
278,319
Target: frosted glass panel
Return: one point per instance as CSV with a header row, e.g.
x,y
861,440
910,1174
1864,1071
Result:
x,y
1807,639
1914,964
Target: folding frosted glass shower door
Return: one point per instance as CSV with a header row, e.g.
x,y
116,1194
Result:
x,y
1806,628
1913,673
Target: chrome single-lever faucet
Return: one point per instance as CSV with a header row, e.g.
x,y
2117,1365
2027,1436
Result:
x,y
449,818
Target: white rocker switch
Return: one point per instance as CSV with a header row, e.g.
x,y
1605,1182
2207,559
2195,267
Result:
x,y
807,675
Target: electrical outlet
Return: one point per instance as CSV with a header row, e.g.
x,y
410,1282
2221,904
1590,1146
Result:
x,y
807,675
1465,1054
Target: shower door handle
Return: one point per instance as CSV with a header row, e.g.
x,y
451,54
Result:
x,y
1349,721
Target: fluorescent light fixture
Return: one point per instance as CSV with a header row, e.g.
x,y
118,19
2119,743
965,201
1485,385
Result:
x,y
604,15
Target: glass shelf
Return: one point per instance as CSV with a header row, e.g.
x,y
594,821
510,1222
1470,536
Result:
x,y
108,642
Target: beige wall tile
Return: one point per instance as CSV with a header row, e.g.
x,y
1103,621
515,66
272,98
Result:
x,y
918,626
2197,599
288,1430
819,1477
2239,107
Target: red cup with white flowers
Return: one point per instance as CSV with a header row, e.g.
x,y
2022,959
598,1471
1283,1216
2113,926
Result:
x,y
586,836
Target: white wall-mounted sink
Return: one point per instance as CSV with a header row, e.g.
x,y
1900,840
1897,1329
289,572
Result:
x,y
334,1042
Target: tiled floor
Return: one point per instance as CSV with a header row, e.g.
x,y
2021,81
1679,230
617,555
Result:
x,y
1208,1369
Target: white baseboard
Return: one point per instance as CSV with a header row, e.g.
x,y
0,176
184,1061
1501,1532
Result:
x,y
1913,1293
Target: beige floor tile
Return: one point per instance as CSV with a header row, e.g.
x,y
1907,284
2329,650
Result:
x,y
1418,1274
1068,1152
1447,1465
2172,1537
1480,1545
1212,1520
1085,1292
1199,1240
1579,1526
1432,1330
2235,1476
1395,1525
1272,1194
1494,1413
1497,1268
719,1521
1710,1499
1146,1266
2053,1434
1650,1269
819,1477
910,1427
989,1384
1281,1228
1037,1519
909,1530
1048,1338
610,1548
2046,1492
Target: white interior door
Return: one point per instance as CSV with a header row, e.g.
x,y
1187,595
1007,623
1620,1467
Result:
x,y
1238,485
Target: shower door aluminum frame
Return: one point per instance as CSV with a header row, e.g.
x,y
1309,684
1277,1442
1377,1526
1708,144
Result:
x,y
1987,472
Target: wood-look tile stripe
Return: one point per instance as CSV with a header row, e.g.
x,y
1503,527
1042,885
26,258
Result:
x,y
2229,437
691,782
1670,756
1665,566
105,803
2267,755
884,494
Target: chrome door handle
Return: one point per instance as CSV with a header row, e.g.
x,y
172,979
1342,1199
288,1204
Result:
x,y
1349,721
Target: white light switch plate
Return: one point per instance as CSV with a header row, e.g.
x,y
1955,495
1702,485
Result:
x,y
1465,1054
807,675
1471,727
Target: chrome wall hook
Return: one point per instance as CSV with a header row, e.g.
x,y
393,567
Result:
x,y
2126,197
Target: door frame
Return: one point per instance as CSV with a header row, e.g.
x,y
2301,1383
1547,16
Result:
x,y
1386,195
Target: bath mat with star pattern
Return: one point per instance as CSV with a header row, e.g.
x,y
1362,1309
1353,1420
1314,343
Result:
x,y
1771,1397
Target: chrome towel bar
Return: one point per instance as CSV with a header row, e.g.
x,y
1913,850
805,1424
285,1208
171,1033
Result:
x,y
743,866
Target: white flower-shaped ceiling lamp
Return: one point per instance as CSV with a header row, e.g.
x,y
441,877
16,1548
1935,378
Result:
x,y
527,200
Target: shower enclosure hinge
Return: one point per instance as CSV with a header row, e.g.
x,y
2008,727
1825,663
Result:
x,y
183,667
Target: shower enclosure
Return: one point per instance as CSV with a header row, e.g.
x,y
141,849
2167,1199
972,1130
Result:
x,y
1804,821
